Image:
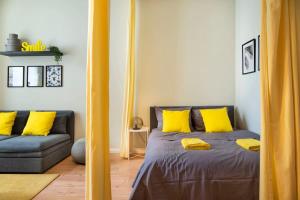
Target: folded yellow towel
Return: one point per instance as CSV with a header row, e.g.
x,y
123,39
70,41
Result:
x,y
249,144
194,144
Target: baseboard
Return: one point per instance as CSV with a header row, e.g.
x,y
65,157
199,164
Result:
x,y
136,150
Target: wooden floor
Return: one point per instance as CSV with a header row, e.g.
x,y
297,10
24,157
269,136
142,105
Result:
x,y
70,184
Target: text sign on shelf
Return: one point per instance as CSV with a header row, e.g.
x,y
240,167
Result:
x,y
38,46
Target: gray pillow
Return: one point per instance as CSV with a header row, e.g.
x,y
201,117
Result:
x,y
20,122
59,125
158,112
197,120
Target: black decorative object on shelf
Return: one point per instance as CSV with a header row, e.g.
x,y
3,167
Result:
x,y
54,76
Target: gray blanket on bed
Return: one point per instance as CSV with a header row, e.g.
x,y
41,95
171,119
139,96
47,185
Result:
x,y
226,171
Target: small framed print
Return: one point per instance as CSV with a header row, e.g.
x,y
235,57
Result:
x,y
15,76
248,56
35,76
54,76
258,53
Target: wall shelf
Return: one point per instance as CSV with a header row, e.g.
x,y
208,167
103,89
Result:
x,y
26,53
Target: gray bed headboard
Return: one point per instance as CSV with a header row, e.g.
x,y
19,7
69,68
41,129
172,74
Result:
x,y
153,120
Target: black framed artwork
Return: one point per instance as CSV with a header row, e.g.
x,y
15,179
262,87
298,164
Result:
x,y
35,76
15,76
54,76
248,57
258,53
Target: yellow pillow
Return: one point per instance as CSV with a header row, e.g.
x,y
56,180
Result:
x,y
176,121
216,120
7,120
39,123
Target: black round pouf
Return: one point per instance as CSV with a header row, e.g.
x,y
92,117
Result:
x,y
78,151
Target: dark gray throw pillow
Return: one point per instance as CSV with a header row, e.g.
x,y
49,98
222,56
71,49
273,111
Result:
x,y
59,125
20,122
197,120
158,112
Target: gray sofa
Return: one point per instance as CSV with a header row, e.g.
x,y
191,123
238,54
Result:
x,y
36,154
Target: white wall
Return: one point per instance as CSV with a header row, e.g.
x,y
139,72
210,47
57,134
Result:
x,y
247,87
59,23
185,53
118,60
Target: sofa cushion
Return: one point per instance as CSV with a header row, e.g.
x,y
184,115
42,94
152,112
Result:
x,y
59,125
39,154
25,144
20,122
39,123
4,137
7,120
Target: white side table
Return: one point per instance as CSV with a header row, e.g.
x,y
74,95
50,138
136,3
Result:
x,y
133,133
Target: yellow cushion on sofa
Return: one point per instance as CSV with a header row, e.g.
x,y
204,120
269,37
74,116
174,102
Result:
x,y
39,123
176,121
7,120
216,120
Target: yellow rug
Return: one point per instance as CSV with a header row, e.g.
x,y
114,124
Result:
x,y
23,186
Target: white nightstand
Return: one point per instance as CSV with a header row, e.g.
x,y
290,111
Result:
x,y
133,133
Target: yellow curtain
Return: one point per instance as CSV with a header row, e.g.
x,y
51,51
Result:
x,y
129,92
280,85
97,133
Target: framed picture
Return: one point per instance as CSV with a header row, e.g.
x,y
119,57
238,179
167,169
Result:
x,y
15,76
35,76
248,57
258,53
54,76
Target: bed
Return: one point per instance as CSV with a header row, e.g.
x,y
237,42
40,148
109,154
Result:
x,y
226,171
